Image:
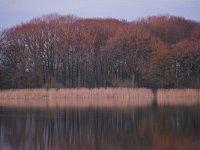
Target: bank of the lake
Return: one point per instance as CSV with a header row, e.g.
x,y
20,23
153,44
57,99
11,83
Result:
x,y
97,97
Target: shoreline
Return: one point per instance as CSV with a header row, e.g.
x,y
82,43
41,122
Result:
x,y
97,97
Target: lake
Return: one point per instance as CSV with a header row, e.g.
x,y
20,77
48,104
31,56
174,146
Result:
x,y
150,127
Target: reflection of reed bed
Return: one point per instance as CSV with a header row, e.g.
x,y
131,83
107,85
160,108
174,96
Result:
x,y
83,97
178,96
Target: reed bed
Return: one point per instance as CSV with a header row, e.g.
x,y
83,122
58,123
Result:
x,y
97,97
83,97
178,96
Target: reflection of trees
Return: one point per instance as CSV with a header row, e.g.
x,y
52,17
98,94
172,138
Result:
x,y
100,129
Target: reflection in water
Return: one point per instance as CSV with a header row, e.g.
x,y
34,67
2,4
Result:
x,y
148,128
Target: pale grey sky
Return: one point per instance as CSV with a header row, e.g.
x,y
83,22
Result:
x,y
13,12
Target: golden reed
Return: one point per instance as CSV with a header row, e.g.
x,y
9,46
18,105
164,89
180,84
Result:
x,y
82,97
178,96
97,97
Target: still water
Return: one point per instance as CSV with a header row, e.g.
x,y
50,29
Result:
x,y
144,128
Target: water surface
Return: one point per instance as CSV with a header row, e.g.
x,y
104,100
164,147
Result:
x,y
144,128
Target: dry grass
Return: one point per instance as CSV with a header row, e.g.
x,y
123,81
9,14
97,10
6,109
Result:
x,y
178,96
83,97
102,97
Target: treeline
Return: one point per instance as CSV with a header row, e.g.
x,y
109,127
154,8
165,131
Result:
x,y
67,51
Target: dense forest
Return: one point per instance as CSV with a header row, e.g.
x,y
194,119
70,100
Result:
x,y
67,51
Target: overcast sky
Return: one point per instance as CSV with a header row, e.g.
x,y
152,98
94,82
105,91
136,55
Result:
x,y
13,12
